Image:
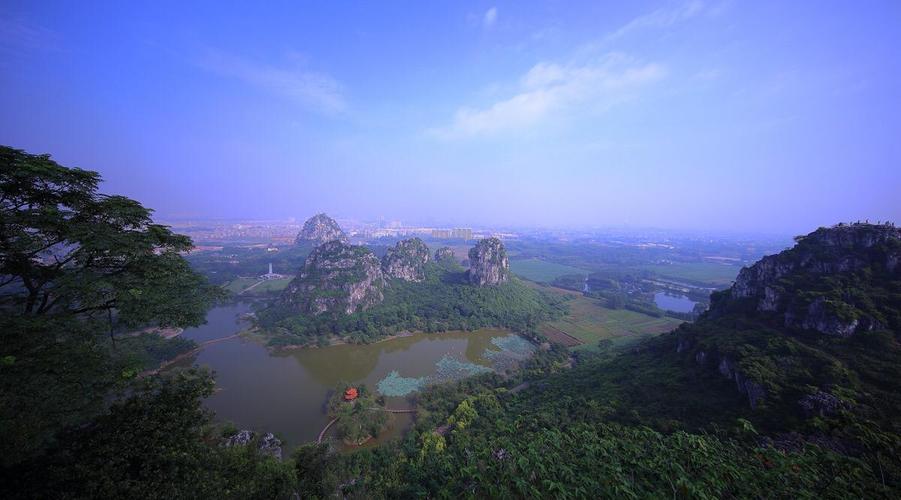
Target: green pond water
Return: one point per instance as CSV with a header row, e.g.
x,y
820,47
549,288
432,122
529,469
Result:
x,y
286,392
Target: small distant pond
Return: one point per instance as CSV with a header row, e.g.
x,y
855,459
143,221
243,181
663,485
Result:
x,y
285,392
674,302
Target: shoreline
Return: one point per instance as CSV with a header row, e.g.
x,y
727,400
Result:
x,y
253,334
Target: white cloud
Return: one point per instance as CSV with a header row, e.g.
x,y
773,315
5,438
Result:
x,y
490,17
315,90
550,88
661,18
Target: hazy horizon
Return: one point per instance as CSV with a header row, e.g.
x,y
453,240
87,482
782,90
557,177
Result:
x,y
763,117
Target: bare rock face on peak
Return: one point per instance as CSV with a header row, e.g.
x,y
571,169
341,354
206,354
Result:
x,y
488,264
320,229
406,260
337,278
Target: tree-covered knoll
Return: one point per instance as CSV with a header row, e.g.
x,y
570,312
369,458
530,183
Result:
x,y
359,418
442,301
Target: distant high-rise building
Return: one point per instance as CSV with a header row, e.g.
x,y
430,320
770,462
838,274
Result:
x,y
458,233
461,233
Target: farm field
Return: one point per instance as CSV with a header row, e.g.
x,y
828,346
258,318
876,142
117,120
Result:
x,y
542,271
712,273
589,322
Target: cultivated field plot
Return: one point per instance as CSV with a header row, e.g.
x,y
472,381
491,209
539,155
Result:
x,y
589,322
542,271
712,273
559,336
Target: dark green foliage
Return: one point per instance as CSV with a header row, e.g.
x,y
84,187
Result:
x,y
55,373
153,444
443,301
149,350
317,471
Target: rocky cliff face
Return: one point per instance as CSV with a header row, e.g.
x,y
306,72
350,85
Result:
x,y
406,260
488,264
445,255
337,278
319,229
820,262
837,281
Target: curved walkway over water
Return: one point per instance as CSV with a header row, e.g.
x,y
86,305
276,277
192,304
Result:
x,y
329,425
182,356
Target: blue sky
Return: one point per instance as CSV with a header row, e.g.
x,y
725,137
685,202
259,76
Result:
x,y
752,116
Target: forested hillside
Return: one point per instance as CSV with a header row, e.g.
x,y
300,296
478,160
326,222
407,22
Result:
x,y
748,401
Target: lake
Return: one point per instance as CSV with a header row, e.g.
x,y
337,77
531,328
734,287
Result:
x,y
673,302
286,391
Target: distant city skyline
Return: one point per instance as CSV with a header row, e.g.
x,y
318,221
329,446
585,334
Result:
x,y
768,117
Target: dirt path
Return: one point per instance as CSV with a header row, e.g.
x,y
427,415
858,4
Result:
x,y
251,287
182,356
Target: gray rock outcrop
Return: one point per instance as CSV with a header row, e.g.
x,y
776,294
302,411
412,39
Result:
x,y
271,445
488,264
320,229
822,403
267,445
337,278
406,260
240,438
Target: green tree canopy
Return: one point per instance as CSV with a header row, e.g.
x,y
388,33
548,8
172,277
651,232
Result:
x,y
65,248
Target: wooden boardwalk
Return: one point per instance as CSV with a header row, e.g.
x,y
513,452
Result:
x,y
329,425
325,429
